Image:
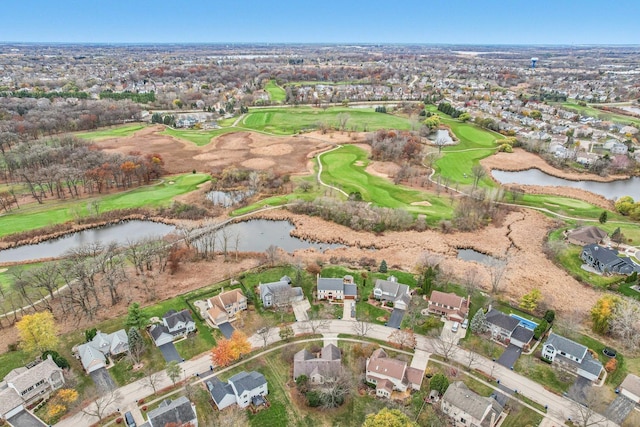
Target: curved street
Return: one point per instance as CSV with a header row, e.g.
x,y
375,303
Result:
x,y
560,408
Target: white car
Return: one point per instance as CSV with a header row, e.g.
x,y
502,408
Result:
x,y
465,323
455,326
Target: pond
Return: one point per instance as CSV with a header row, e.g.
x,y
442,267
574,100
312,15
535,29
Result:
x,y
444,135
258,234
611,190
119,233
253,236
473,255
226,199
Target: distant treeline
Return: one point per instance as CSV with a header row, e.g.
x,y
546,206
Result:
x,y
143,98
41,94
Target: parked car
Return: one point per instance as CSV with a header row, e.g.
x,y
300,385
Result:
x,y
465,323
128,418
455,326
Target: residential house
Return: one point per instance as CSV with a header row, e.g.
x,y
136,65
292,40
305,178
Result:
x,y
23,386
177,413
279,293
224,306
392,291
586,235
606,260
336,289
507,329
466,408
630,387
571,356
452,306
243,389
325,367
175,324
391,374
94,354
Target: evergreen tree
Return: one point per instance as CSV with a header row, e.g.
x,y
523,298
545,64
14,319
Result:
x,y
383,267
135,318
603,217
136,344
439,382
479,322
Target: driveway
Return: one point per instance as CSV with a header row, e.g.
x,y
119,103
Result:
x,y
349,310
103,380
510,356
169,352
396,318
226,329
420,360
25,419
300,310
619,409
579,390
448,335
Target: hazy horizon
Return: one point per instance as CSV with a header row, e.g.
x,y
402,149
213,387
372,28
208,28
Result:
x,y
466,22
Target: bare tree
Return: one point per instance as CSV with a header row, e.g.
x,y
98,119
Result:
x,y
403,338
152,380
272,255
478,172
625,323
224,242
440,142
586,412
103,404
360,327
335,393
497,268
265,333
317,322
444,346
471,358
343,119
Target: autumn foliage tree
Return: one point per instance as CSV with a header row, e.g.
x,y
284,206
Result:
x,y
38,332
229,350
601,313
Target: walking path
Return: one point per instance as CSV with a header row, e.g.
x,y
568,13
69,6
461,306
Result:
x,y
559,410
320,171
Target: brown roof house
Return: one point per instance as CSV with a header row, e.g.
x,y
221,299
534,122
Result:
x,y
586,235
22,386
391,374
450,305
326,367
224,306
466,408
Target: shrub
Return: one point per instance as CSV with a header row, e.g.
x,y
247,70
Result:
x,y
550,316
57,359
611,365
314,399
540,329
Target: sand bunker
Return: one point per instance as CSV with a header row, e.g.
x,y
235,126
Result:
x,y
423,203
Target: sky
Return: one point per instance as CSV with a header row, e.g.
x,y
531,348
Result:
x,y
546,22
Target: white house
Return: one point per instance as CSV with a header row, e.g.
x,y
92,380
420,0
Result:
x,y
336,289
393,291
175,324
243,389
571,356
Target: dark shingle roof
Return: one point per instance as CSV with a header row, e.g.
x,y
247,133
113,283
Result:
x,y
172,317
562,344
247,381
330,284
219,390
522,334
178,411
500,319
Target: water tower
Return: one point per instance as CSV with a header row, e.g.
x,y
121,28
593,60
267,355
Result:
x,y
533,62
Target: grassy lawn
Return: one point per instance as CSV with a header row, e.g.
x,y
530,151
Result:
x,y
114,132
13,359
543,373
522,416
345,169
569,258
276,93
199,137
287,121
599,114
33,216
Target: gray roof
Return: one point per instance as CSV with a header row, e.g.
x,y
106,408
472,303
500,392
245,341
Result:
x,y
459,395
591,365
219,390
157,330
247,381
330,284
178,411
172,317
588,234
500,319
392,287
522,334
562,344
328,365
350,289
273,287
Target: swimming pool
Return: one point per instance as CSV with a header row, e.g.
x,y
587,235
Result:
x,y
525,323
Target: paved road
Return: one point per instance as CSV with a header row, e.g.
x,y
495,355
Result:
x,y
559,408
